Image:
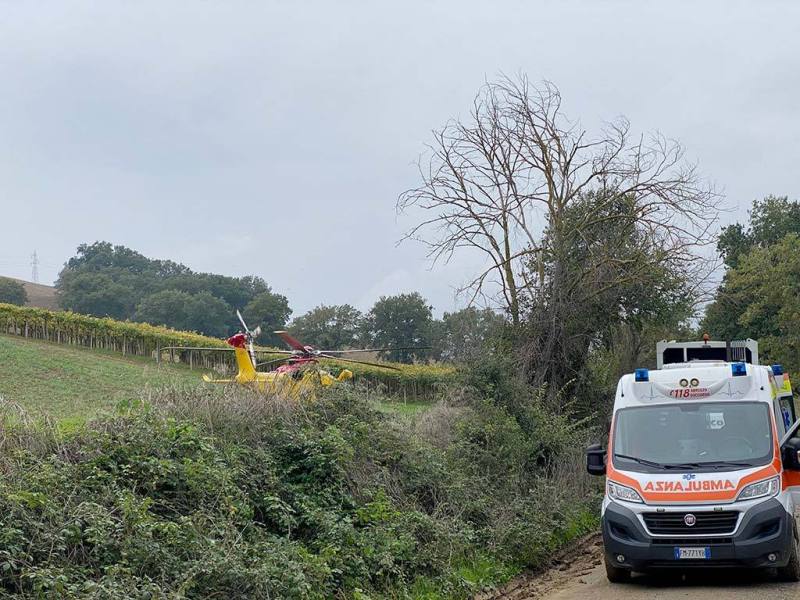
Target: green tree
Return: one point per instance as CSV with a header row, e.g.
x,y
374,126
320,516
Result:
x,y
760,299
167,307
605,277
269,311
200,312
770,220
467,334
12,292
107,280
98,293
208,314
329,327
401,321
733,241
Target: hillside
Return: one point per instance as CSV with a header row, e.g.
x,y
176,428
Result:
x,y
69,382
198,495
72,383
39,296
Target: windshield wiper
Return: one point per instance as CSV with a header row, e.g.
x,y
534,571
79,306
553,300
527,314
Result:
x,y
665,466
724,463
684,466
643,461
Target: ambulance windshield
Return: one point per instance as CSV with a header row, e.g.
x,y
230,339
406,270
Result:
x,y
713,436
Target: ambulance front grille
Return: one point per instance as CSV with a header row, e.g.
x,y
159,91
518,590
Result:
x,y
705,523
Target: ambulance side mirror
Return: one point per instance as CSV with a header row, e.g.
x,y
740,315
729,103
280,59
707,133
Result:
x,y
596,460
791,454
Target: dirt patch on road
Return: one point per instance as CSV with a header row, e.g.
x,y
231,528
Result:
x,y
572,563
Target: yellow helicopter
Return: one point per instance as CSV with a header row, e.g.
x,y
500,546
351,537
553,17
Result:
x,y
298,373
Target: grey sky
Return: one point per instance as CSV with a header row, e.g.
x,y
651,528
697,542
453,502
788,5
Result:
x,y
273,138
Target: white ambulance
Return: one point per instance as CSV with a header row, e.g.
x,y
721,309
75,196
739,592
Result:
x,y
703,464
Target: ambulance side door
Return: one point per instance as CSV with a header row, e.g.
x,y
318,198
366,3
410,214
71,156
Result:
x,y
790,453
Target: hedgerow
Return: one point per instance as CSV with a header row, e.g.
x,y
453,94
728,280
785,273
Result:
x,y
223,494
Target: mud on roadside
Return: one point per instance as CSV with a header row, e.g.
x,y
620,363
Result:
x,y
572,562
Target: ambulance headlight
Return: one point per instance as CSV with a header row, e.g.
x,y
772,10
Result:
x,y
623,493
760,489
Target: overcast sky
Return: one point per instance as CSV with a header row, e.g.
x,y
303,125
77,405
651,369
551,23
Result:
x,y
274,138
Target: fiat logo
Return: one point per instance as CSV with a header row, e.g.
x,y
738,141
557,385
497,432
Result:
x,y
690,520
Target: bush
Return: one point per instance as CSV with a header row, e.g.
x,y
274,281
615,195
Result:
x,y
223,493
12,292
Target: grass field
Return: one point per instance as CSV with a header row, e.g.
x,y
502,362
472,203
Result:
x,y
69,382
72,384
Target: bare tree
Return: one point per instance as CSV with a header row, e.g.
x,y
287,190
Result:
x,y
525,186
476,187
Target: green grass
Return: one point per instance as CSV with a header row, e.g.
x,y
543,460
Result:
x,y
71,383
403,409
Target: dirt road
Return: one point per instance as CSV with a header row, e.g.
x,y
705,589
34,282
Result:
x,y
578,574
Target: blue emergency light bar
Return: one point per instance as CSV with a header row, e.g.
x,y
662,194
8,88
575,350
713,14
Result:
x,y
738,369
641,375
777,369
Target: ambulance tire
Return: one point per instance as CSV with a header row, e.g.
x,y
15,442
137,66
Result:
x,y
615,574
791,572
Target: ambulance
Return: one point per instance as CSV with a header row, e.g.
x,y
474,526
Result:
x,y
702,465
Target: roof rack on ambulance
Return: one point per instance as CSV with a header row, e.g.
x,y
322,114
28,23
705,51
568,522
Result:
x,y
672,352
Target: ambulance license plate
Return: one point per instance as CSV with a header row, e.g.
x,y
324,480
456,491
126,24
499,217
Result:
x,y
693,553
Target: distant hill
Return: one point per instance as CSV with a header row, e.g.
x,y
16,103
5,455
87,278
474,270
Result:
x,y
40,296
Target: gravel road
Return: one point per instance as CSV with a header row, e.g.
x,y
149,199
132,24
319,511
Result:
x,y
578,574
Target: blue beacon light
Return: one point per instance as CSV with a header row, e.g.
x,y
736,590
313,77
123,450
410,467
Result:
x,y
738,369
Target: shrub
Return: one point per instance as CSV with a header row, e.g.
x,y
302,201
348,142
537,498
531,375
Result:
x,y
12,292
225,493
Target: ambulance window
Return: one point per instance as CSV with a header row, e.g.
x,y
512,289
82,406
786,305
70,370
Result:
x,y
705,435
780,417
786,406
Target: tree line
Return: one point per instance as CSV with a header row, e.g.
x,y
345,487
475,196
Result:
x,y
759,296
405,323
107,280
114,281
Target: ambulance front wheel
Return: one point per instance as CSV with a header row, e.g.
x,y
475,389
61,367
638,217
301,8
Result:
x,y
791,572
616,574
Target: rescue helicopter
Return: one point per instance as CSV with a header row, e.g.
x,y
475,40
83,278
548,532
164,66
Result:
x,y
298,372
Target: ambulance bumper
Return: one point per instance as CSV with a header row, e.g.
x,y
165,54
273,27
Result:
x,y
765,529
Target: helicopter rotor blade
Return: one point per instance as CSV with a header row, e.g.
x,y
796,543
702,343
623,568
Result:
x,y
290,341
241,320
375,350
359,362
272,362
199,348
229,349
